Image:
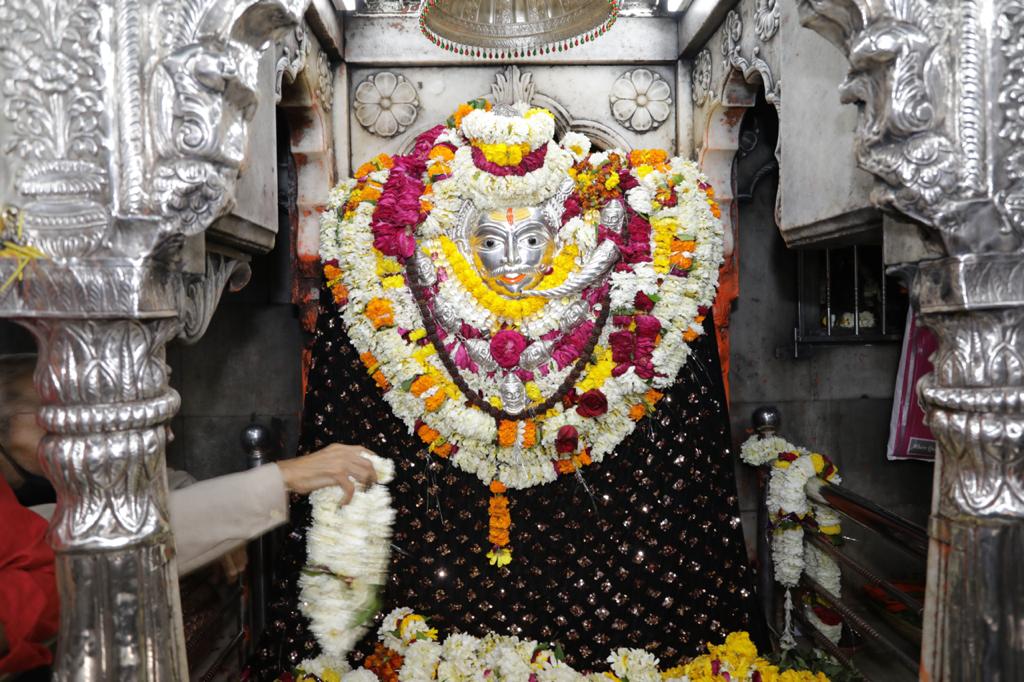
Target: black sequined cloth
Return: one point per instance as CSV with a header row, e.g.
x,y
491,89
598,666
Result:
x,y
647,551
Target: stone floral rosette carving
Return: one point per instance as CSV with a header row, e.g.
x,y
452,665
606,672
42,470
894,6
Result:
x,y
386,104
700,79
641,100
766,19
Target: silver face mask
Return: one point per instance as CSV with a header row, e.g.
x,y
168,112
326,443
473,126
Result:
x,y
512,249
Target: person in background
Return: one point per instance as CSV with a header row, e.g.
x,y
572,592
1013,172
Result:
x,y
211,519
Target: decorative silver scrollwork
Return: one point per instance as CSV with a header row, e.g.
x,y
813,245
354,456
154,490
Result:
x,y
641,100
386,104
202,294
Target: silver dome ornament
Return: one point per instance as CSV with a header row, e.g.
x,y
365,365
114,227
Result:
x,y
574,316
423,272
536,354
480,352
500,29
446,316
513,394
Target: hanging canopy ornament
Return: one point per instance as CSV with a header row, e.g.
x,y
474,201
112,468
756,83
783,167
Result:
x,y
502,29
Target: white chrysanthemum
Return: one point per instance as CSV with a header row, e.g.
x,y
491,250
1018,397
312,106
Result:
x,y
757,451
788,555
635,664
534,128
577,144
360,675
421,660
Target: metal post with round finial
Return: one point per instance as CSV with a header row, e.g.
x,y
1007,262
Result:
x,y
766,421
257,443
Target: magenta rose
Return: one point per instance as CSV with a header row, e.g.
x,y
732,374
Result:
x,y
567,441
593,403
506,347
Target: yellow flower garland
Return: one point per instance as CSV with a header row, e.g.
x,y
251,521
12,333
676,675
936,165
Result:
x,y
506,308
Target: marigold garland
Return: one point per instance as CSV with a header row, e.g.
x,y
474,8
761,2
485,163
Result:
x,y
593,380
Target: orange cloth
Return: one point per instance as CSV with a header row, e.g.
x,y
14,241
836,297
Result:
x,y
29,604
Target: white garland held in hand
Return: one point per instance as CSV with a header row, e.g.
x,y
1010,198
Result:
x,y
348,551
787,495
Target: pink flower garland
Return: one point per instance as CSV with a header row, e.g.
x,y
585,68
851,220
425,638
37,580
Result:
x,y
530,162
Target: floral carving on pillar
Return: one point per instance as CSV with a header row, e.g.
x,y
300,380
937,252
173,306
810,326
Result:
x,y
700,78
386,104
767,16
125,123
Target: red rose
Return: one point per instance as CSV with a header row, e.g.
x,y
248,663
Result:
x,y
593,403
567,441
506,347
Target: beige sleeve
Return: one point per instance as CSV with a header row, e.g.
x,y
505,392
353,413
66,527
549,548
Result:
x,y
216,515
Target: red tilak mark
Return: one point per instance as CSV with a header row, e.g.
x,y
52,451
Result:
x,y
508,216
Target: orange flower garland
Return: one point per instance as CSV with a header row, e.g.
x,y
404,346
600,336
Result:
x,y
499,525
384,663
380,313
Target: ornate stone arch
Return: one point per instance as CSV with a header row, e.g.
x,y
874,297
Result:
x,y
306,103
743,80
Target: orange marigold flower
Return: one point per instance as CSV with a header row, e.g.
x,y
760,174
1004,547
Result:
x,y
529,433
435,401
384,161
584,458
339,293
442,152
461,113
365,169
507,432
442,450
498,537
427,434
332,272
689,335
565,466
369,361
381,381
422,384
370,193
497,487
710,191
647,157
652,397
637,412
380,313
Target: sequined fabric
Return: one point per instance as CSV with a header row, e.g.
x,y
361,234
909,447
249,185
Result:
x,y
645,550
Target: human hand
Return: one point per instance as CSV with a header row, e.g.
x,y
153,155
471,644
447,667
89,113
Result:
x,y
336,464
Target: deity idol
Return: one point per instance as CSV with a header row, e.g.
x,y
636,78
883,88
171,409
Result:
x,y
533,315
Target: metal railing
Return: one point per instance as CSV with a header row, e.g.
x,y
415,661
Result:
x,y
911,538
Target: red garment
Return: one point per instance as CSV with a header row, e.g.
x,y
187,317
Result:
x,y
29,604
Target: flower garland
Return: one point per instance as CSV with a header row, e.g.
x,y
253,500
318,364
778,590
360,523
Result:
x,y
790,511
445,350
409,651
348,551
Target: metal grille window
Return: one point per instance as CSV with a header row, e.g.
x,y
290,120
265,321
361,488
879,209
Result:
x,y
844,296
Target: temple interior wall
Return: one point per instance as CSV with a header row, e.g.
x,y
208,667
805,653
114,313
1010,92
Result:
x,y
837,401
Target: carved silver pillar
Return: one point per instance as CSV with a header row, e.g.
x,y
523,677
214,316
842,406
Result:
x,y
940,87
124,124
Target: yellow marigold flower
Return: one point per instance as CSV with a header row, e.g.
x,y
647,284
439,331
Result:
x,y
818,461
533,393
612,182
442,152
834,529
393,282
330,675
417,334
530,113
501,557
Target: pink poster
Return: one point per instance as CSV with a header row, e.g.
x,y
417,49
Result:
x,y
909,436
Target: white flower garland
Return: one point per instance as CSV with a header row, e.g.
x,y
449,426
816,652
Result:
x,y
532,127
349,241
348,550
792,468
